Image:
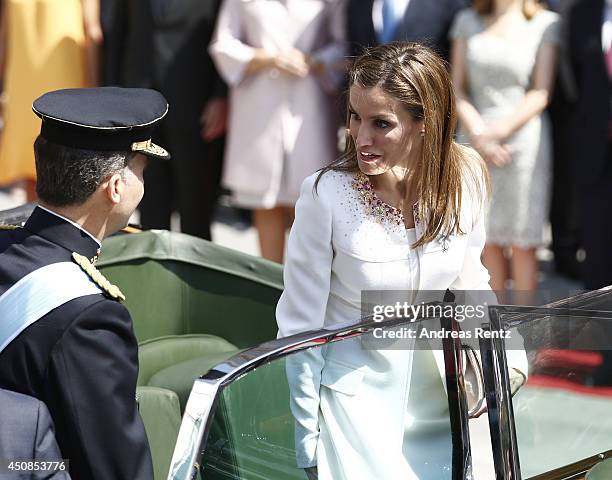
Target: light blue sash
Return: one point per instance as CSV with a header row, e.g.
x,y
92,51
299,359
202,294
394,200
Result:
x,y
39,292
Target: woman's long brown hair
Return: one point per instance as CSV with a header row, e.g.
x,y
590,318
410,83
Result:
x,y
485,7
418,78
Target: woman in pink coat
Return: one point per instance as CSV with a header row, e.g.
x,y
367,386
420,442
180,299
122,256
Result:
x,y
282,60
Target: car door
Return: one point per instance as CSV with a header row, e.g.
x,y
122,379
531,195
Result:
x,y
558,425
331,402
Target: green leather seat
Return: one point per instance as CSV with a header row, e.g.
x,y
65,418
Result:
x,y
175,361
159,353
194,304
159,409
168,367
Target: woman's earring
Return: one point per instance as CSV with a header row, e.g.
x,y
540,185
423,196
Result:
x,y
422,133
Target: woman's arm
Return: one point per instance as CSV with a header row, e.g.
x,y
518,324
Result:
x,y
307,270
231,55
235,59
468,115
329,62
491,150
302,307
536,99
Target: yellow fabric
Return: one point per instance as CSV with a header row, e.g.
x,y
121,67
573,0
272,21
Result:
x,y
46,51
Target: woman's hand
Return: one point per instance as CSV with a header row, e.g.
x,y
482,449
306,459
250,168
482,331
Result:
x,y
292,62
489,143
493,152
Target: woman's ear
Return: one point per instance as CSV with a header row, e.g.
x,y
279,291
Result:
x,y
114,188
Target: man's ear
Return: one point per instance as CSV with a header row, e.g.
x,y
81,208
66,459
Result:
x,y
113,188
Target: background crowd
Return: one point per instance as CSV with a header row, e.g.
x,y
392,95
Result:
x,y
255,89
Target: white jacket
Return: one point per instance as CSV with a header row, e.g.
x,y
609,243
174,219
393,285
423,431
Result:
x,y
281,128
345,397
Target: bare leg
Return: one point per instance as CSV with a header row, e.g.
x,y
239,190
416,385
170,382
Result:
x,y
524,274
270,224
496,263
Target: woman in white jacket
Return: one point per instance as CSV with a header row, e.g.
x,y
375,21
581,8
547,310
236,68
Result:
x,y
403,209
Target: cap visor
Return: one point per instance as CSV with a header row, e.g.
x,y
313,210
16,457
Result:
x,y
154,151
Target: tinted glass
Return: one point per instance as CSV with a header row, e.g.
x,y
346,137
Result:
x,y
362,407
562,415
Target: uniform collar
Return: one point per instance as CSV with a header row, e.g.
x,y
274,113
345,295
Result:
x,y
62,231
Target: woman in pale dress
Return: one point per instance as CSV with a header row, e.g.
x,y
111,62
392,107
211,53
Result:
x,y
281,60
503,62
402,209
44,45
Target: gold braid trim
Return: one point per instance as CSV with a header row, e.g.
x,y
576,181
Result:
x,y
100,280
9,227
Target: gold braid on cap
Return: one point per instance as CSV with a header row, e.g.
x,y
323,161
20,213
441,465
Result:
x,y
96,276
9,227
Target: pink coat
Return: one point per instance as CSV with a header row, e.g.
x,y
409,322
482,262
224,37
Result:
x,y
281,128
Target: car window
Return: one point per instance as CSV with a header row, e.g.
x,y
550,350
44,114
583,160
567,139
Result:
x,y
360,407
562,414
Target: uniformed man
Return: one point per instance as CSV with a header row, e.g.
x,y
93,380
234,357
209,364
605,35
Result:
x,y
65,337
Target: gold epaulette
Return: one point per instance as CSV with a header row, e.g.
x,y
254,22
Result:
x,y
9,227
100,280
131,229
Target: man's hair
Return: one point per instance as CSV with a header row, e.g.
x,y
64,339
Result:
x,y
69,176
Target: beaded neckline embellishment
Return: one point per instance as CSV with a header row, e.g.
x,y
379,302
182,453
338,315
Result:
x,y
374,205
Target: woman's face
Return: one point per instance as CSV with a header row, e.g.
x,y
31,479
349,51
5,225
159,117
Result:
x,y
386,135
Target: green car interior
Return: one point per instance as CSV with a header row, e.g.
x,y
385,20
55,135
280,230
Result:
x,y
194,304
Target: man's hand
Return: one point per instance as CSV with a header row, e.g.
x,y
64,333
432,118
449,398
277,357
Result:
x,y
214,119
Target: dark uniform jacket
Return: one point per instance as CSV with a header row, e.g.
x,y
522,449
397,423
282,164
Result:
x,y
26,433
80,359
